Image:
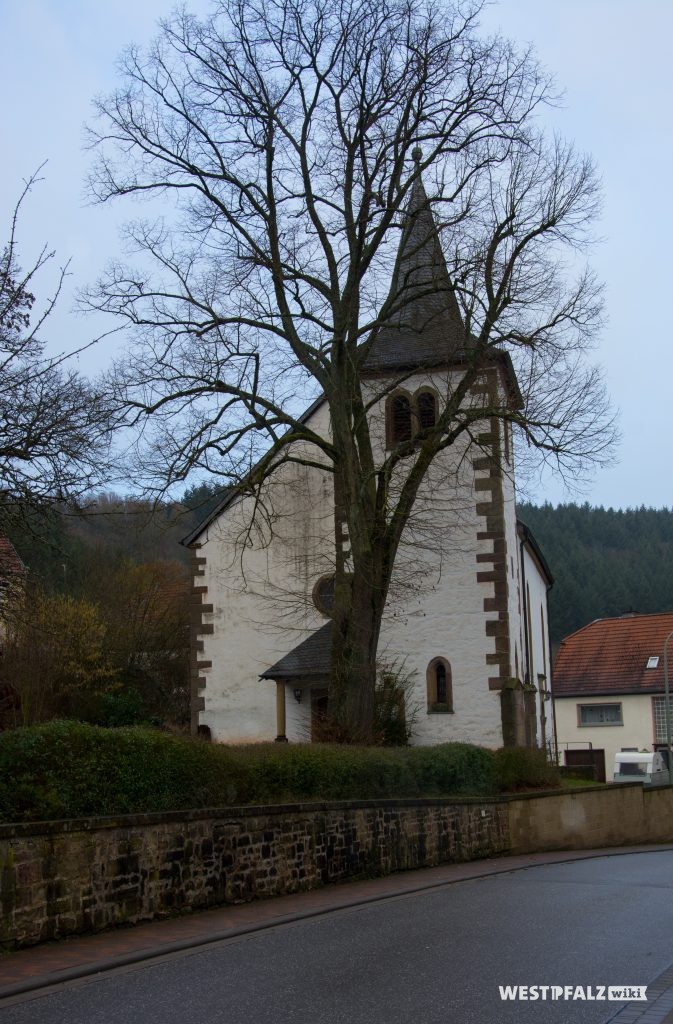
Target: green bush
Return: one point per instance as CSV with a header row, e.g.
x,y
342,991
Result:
x,y
458,768
325,772
72,770
524,768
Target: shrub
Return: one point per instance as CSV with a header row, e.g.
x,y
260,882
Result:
x,y
325,772
71,770
458,768
524,768
395,710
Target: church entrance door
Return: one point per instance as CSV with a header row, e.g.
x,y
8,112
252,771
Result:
x,y
319,716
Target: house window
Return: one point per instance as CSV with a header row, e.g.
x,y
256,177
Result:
x,y
599,714
398,420
439,685
659,713
426,407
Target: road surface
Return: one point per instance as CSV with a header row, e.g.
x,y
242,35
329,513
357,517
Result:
x,y
430,958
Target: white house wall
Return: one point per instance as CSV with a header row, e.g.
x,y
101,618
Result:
x,y
637,730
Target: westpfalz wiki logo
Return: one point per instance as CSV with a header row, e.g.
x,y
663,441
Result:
x,y
582,993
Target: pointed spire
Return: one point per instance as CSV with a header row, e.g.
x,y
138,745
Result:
x,y
423,286
425,326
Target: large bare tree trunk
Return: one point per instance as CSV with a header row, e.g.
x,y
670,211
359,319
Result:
x,y
361,586
357,624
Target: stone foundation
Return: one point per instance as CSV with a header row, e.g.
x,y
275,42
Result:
x,y
64,878
69,877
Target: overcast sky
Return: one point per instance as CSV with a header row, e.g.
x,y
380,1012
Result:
x,y
613,59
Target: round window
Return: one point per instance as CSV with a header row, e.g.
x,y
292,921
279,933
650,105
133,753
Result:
x,y
323,594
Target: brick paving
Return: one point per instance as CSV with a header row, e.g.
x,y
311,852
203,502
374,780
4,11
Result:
x,y
659,1006
55,962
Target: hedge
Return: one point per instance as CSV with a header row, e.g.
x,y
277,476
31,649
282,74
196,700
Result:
x,y
521,768
74,770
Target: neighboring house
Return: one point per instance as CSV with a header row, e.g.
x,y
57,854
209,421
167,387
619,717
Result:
x,y
466,615
609,688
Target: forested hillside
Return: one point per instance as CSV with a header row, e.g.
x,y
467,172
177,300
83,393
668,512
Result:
x,y
102,630
605,562
64,548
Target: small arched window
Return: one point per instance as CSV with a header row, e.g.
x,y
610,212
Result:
x,y
439,683
399,420
426,406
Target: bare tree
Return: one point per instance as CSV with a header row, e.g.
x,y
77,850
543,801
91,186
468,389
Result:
x,y
52,425
301,141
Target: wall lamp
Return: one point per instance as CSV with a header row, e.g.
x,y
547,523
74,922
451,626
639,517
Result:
x,y
298,694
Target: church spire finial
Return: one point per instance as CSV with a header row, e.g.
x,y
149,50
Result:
x,y
417,155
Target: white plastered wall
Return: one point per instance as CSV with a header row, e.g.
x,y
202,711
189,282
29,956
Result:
x,y
637,730
259,583
262,597
436,606
538,646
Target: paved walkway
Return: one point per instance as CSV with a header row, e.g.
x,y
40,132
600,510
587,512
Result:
x,y
659,1006
57,962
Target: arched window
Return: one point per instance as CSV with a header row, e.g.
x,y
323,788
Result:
x,y
399,420
439,683
426,407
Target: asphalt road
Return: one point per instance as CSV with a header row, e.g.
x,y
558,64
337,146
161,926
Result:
x,y
430,958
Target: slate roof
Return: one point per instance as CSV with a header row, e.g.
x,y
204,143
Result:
x,y
427,329
609,656
312,657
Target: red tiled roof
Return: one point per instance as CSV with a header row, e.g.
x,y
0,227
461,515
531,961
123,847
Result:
x,y
610,656
10,563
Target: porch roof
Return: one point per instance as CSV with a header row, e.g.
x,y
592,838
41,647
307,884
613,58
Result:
x,y
312,657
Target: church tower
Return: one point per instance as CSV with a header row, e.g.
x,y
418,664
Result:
x,y
455,622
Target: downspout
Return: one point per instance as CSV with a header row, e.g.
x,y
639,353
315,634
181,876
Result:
x,y
528,685
522,562
551,689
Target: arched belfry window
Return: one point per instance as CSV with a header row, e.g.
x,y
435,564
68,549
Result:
x,y
398,419
426,407
439,683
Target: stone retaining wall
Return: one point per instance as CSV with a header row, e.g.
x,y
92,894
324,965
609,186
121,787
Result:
x,y
583,819
68,877
64,878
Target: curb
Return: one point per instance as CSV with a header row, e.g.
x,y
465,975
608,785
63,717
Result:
x,y
57,978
